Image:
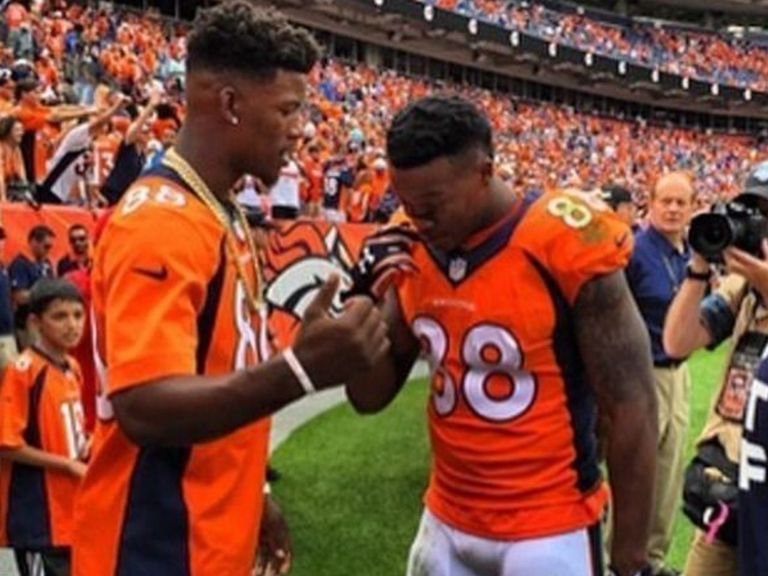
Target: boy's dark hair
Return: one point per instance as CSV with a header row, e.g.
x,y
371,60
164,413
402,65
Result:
x,y
238,36
40,233
434,127
46,290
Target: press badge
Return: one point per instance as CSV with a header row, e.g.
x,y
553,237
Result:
x,y
746,358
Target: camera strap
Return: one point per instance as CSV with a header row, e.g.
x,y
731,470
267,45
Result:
x,y
675,280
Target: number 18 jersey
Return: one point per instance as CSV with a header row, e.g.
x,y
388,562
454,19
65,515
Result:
x,y
511,415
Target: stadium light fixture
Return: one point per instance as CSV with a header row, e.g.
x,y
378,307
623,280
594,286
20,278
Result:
x,y
748,94
715,89
472,26
589,59
429,13
514,38
685,83
655,76
553,49
622,67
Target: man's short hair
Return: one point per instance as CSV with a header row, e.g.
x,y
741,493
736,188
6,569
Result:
x,y
40,233
434,127
46,290
238,36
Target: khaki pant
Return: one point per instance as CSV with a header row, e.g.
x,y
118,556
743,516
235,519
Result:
x,y
672,390
716,559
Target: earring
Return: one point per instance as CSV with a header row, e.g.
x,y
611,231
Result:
x,y
235,121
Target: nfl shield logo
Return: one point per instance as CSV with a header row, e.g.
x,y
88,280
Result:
x,y
457,269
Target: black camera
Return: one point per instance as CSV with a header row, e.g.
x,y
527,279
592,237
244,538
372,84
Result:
x,y
738,224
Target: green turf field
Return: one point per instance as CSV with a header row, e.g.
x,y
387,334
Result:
x,y
352,486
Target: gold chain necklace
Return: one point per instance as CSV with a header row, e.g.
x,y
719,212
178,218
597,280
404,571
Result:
x,y
192,179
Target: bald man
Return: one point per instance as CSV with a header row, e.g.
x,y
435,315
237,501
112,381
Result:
x,y
655,273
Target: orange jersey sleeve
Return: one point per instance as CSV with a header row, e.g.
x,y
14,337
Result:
x,y
155,282
14,402
577,238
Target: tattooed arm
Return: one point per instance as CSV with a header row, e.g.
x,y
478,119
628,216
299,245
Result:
x,y
615,347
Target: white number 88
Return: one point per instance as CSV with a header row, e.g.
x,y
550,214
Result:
x,y
478,370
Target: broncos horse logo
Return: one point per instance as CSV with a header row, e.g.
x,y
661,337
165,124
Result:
x,y
300,257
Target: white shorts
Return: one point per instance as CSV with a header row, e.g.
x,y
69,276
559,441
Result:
x,y
440,550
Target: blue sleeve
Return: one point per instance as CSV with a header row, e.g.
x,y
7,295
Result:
x,y
718,319
347,178
19,275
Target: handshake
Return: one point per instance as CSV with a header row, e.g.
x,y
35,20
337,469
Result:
x,y
332,350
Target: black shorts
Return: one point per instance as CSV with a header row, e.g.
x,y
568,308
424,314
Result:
x,y
284,212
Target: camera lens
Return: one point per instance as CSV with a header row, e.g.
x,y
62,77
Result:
x,y
710,234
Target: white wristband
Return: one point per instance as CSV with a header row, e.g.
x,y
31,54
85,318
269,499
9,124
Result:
x,y
298,371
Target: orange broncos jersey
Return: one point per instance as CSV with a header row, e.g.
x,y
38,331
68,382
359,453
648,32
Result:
x,y
511,415
167,302
40,408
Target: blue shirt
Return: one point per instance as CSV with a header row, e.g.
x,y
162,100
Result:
x,y
753,489
23,273
6,307
655,272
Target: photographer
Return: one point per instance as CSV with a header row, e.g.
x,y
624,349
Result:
x,y
699,319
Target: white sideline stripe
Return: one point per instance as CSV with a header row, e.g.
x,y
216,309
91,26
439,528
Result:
x,y
298,413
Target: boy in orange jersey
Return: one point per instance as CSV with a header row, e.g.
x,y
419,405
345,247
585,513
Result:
x,y
521,307
42,440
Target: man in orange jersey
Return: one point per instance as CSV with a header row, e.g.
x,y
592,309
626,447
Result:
x,y
521,307
42,439
174,486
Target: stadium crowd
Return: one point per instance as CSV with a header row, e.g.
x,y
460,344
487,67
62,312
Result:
x,y
65,64
702,55
90,98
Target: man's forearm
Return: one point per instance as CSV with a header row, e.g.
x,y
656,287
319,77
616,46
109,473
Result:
x,y
683,331
185,410
374,391
36,457
632,465
66,115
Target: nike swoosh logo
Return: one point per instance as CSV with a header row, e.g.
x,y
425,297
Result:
x,y
621,240
154,273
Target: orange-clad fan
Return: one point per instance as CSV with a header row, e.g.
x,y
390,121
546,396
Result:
x,y
42,439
